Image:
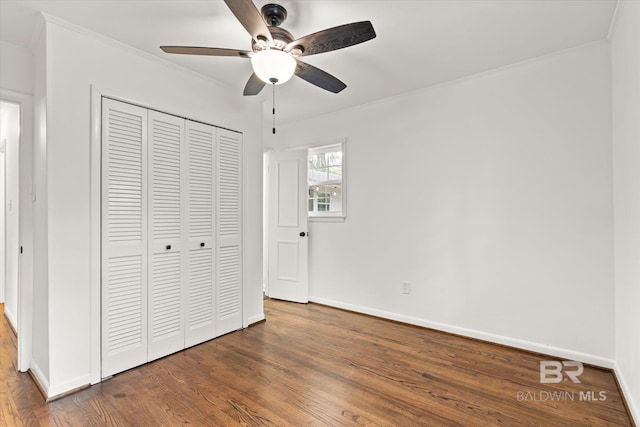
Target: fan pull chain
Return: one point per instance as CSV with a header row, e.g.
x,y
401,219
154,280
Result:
x,y
274,108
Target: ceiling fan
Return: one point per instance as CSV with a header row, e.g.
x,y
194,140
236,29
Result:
x,y
274,51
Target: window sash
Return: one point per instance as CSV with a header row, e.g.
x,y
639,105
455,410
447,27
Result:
x,y
320,201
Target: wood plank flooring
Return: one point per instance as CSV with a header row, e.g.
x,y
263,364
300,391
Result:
x,y
314,365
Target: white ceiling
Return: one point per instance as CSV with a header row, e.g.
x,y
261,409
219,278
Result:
x,y
419,42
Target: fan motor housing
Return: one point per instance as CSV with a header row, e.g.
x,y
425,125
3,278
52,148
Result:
x,y
273,14
281,38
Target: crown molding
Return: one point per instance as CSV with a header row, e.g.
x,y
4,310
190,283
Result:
x,y
37,34
448,83
614,20
50,19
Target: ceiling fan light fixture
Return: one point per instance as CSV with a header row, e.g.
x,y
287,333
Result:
x,y
273,66
275,52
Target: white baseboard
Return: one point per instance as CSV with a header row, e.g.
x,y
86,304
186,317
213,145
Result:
x,y
11,318
39,377
626,391
255,319
498,339
59,390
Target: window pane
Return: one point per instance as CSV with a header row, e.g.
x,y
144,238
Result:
x,y
325,180
335,192
316,175
334,158
334,172
324,198
317,161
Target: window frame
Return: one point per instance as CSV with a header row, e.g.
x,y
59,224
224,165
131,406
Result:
x,y
327,216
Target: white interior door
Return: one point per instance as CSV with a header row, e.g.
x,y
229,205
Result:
x,y
288,240
167,266
201,321
171,234
229,227
124,236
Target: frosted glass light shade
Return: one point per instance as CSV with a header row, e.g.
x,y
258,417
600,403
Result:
x,y
273,66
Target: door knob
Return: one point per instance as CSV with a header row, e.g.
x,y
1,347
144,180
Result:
x,y
202,244
302,234
168,247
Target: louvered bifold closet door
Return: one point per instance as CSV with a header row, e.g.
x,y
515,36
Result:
x,y
229,220
201,326
167,266
124,236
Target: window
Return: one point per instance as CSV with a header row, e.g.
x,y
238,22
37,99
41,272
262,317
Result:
x,y
326,191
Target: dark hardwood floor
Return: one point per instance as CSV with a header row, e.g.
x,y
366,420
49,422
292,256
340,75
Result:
x,y
314,365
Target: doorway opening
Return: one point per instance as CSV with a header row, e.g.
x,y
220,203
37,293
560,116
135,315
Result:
x,y
9,213
16,136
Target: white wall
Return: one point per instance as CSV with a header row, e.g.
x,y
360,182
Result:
x,y
16,68
490,195
10,133
76,60
626,168
40,336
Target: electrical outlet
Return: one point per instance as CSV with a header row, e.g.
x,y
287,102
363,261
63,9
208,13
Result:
x,y
406,288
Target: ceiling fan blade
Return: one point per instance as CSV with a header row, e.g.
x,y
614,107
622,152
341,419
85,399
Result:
x,y
317,77
253,86
209,51
334,38
249,16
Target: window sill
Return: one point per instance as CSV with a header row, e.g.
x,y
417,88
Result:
x,y
327,218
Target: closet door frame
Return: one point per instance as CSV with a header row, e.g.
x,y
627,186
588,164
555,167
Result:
x,y
96,97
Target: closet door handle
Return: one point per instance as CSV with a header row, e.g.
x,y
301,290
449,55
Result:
x,y
202,244
168,247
